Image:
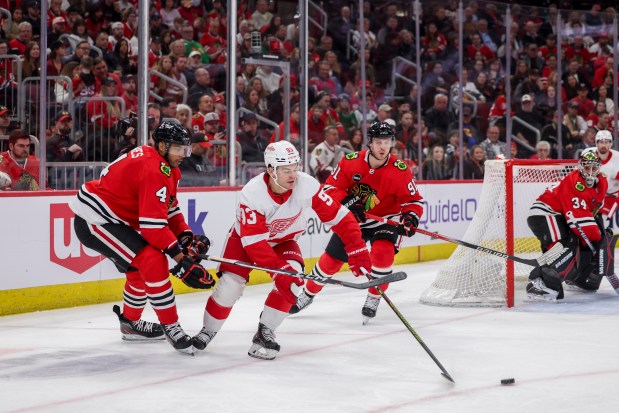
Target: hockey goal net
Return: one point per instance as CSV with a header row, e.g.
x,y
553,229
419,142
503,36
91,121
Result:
x,y
470,278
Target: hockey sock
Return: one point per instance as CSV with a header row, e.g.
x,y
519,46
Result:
x,y
326,267
219,305
382,260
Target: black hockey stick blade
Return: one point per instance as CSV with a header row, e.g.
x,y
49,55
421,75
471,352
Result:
x,y
393,277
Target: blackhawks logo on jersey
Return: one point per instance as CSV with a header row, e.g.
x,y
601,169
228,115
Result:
x,y
367,195
400,165
165,169
1,159
351,156
579,186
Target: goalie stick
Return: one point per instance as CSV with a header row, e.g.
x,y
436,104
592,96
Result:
x,y
412,330
547,257
393,277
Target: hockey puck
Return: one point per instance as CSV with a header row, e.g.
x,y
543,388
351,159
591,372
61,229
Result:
x,y
508,381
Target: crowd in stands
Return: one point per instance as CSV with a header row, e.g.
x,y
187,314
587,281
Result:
x,y
95,45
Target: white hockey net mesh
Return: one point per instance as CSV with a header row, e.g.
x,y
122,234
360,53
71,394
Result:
x,y
470,278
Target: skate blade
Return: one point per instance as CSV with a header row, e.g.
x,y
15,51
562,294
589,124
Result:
x,y
138,338
366,320
259,352
534,298
576,289
189,350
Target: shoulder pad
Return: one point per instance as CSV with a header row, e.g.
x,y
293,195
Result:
x,y
580,187
165,169
351,156
400,165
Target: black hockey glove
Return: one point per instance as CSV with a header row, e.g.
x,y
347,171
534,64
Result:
x,y
192,274
185,239
354,205
199,245
408,225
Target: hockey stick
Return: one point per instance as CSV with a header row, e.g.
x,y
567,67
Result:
x,y
547,257
612,278
393,277
412,330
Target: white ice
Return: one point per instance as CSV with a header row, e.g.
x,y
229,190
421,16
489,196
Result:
x,y
564,358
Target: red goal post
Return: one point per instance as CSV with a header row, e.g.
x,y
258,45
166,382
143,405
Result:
x,y
471,278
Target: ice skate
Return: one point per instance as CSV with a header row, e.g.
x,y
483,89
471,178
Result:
x,y
303,301
264,345
578,286
138,330
176,336
203,338
537,291
369,308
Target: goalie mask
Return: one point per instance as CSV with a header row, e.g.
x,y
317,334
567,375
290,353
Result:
x,y
589,166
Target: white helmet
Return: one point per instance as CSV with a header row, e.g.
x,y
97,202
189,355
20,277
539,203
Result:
x,y
281,153
603,135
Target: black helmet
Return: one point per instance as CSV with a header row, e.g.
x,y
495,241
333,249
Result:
x,y
171,132
380,130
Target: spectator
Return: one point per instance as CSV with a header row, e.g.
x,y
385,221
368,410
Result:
x,y
104,114
436,166
433,43
82,48
473,167
102,42
191,45
574,123
58,29
31,62
478,46
55,58
601,48
550,134
404,130
470,132
369,36
125,63
5,120
588,141
384,112
585,105
79,33
196,169
295,127
99,70
355,142
601,95
326,155
252,144
200,88
533,59
542,151
18,44
530,115
491,145
270,79
437,117
21,167
184,115
257,84
11,26
262,16
130,94
154,116
168,107
60,147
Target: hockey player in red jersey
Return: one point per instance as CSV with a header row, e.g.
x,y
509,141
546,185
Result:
x,y
131,216
370,180
270,219
566,213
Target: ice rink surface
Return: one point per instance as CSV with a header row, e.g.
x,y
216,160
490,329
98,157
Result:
x,y
564,358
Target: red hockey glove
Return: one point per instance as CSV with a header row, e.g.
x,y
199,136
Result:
x,y
283,283
192,274
408,225
359,259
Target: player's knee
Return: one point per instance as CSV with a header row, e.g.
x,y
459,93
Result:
x,y
152,264
328,264
382,253
229,289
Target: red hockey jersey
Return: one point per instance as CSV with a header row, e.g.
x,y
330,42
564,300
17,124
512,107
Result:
x,y
577,203
387,191
137,189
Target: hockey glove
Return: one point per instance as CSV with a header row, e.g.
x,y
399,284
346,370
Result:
x,y
199,245
359,260
185,239
354,205
408,225
284,283
192,274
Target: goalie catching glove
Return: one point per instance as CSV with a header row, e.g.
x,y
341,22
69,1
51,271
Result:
x,y
284,283
192,274
408,224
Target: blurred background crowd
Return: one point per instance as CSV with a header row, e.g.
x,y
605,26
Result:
x,y
556,59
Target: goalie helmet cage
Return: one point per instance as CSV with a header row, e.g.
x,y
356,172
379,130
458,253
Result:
x,y
471,278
